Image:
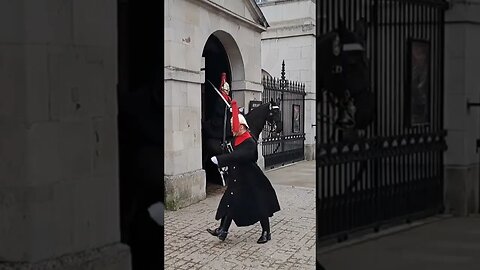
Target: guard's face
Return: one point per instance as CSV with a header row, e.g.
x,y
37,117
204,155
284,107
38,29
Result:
x,y
231,125
241,130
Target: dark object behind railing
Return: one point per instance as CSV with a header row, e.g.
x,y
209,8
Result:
x,y
394,173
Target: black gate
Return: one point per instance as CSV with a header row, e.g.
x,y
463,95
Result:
x,y
288,146
393,170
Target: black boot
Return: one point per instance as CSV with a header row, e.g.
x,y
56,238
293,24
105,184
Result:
x,y
216,231
222,235
223,231
266,236
219,232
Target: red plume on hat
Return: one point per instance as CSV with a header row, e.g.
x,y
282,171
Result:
x,y
237,118
235,121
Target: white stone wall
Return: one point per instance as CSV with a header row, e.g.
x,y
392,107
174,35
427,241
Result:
x,y
462,83
287,10
58,128
188,25
291,37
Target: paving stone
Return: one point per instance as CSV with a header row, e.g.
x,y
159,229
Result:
x,y
189,246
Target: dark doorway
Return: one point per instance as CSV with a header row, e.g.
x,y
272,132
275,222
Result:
x,y
140,129
216,62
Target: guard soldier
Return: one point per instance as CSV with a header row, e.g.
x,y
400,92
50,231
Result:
x,y
225,88
213,131
249,196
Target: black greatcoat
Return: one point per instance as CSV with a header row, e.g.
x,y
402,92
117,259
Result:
x,y
249,195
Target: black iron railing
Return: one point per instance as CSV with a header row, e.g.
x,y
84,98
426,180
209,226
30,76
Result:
x,y
288,146
395,171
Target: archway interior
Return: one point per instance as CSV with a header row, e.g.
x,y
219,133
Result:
x,y
216,62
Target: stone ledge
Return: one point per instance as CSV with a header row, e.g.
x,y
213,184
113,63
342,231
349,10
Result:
x,y
246,86
111,257
463,12
184,75
291,31
184,189
279,2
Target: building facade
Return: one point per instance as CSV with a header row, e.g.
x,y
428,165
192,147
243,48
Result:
x,y
203,39
462,121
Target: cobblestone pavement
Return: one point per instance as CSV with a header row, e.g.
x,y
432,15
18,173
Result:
x,y
189,246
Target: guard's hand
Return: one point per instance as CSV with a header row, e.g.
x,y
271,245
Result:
x,y
156,212
214,160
